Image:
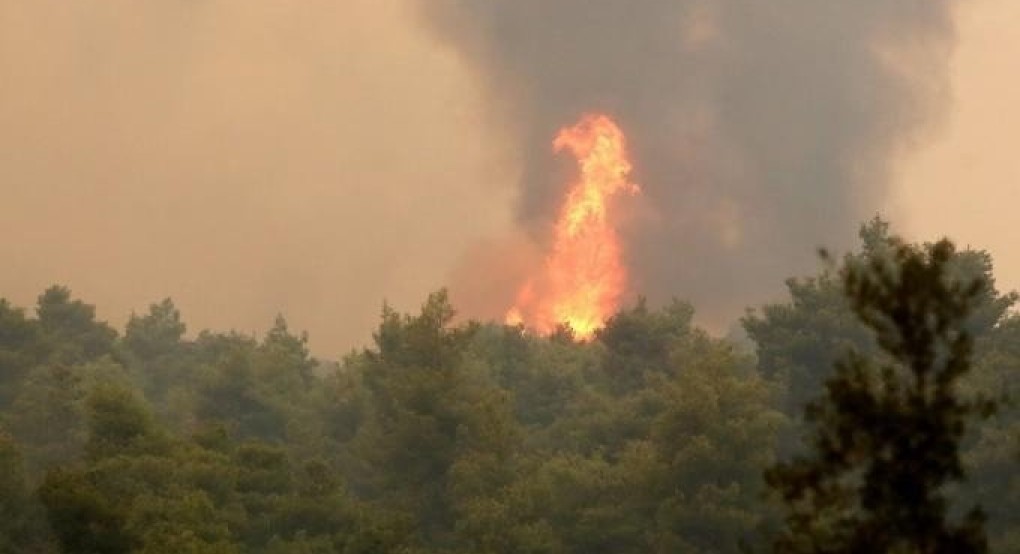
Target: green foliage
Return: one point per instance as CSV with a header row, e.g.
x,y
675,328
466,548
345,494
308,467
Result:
x,y
118,422
639,342
159,356
799,342
157,333
47,416
70,330
285,363
20,349
22,527
84,520
445,437
993,451
888,429
228,390
434,433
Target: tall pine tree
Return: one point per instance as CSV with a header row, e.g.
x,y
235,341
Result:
x,y
887,430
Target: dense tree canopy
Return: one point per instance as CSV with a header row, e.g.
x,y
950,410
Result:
x,y
450,437
887,431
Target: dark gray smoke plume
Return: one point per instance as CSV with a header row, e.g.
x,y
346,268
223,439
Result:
x,y
760,129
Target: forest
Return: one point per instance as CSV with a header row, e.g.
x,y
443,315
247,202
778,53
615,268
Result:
x,y
871,410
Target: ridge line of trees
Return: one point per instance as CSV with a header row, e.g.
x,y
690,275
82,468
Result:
x,y
484,438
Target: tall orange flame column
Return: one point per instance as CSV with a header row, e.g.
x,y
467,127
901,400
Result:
x,y
583,277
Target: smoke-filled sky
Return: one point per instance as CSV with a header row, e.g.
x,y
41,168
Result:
x,y
315,158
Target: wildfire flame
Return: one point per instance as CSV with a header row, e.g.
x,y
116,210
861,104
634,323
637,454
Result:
x,y
583,277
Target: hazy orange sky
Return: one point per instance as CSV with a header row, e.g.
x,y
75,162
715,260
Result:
x,y
315,158
245,158
965,182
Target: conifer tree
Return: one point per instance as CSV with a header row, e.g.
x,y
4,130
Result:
x,y
887,430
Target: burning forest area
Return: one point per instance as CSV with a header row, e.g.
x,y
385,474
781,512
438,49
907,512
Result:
x,y
483,277
583,278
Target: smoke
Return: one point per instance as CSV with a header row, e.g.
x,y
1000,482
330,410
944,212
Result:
x,y
760,130
309,158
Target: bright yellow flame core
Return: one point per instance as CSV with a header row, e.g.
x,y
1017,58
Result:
x,y
583,277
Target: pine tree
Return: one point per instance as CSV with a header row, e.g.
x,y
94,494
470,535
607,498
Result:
x,y
887,430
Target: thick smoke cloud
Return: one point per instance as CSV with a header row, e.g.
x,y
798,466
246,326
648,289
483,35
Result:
x,y
760,130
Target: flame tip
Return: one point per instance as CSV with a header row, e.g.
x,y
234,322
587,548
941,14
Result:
x,y
584,276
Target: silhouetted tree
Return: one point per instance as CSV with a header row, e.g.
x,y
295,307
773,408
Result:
x,y
887,430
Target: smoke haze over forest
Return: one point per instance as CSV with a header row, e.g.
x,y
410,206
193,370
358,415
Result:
x,y
759,130
314,160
